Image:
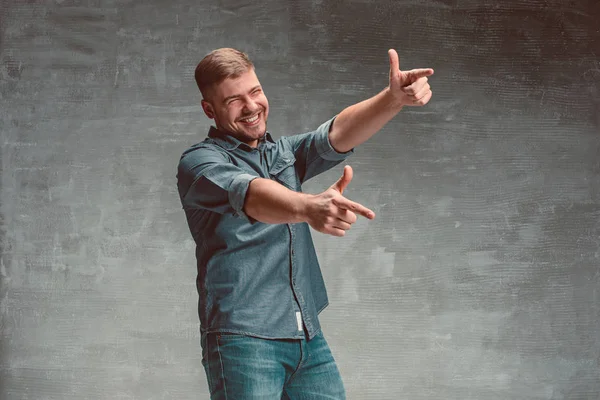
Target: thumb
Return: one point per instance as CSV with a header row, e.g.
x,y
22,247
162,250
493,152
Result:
x,y
394,61
341,184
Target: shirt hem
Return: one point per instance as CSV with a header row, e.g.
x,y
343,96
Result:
x,y
322,308
253,334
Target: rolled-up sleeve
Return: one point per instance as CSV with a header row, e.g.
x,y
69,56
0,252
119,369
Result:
x,y
323,144
207,180
314,152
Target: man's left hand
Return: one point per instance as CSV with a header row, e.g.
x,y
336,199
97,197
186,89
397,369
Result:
x,y
410,88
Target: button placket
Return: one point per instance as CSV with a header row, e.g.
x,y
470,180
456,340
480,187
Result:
x,y
295,291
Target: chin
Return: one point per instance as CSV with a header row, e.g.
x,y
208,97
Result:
x,y
259,130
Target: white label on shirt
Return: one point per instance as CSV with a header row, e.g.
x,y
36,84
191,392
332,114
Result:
x,y
299,320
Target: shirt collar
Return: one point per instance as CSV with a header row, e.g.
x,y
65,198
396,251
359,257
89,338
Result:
x,y
229,142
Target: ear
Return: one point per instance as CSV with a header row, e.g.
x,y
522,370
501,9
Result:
x,y
208,109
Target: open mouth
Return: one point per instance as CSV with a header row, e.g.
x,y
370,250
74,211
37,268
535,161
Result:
x,y
250,121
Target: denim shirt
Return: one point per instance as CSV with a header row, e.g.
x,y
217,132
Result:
x,y
254,278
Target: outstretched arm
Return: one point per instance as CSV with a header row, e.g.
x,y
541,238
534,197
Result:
x,y
328,212
356,124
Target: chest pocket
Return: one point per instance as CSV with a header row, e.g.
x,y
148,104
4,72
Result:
x,y
284,172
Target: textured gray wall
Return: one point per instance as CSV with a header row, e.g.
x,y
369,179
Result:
x,y
478,280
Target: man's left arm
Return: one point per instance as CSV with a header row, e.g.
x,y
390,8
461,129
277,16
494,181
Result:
x,y
356,124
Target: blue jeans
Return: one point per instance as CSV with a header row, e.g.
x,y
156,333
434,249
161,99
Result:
x,y
240,367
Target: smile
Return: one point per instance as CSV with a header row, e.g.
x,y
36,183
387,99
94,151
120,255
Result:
x,y
251,120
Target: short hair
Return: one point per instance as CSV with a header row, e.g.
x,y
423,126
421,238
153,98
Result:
x,y
219,65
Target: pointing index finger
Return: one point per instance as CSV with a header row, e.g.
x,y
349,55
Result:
x,y
355,207
419,72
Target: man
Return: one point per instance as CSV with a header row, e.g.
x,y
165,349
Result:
x,y
259,281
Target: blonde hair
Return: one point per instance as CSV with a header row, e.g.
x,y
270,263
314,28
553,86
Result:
x,y
219,65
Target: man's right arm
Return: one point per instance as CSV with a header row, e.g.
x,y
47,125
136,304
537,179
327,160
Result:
x,y
272,203
328,212
208,180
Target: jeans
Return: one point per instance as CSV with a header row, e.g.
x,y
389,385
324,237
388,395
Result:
x,y
240,367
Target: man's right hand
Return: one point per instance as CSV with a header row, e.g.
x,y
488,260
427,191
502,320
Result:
x,y
333,214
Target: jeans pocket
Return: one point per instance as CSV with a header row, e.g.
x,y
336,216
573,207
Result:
x,y
225,338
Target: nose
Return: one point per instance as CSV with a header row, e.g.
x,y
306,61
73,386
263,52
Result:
x,y
250,105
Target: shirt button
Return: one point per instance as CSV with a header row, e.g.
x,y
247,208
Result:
x,y
293,252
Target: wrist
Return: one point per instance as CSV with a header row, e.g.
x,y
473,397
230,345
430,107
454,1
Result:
x,y
303,207
392,100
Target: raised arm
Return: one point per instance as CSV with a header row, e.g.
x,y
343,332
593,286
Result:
x,y
357,123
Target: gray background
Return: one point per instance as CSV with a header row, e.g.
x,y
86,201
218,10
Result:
x,y
479,279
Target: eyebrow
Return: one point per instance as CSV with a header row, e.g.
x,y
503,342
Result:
x,y
235,96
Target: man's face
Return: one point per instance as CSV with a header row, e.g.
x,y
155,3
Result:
x,y
239,107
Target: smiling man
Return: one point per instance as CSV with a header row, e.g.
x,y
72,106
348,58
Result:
x,y
259,281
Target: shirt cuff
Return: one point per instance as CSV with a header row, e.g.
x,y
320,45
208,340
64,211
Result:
x,y
324,147
237,194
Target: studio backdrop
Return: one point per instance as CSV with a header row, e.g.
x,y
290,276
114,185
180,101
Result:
x,y
479,278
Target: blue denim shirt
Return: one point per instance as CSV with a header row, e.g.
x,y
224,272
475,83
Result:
x,y
254,278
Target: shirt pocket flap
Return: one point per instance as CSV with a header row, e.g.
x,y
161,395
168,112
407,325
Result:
x,y
284,161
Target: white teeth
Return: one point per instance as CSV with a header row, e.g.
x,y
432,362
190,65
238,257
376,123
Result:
x,y
251,119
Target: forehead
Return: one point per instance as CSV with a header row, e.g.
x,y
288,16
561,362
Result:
x,y
237,86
